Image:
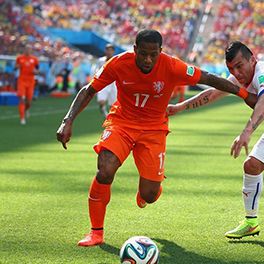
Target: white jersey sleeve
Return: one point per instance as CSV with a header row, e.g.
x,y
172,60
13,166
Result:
x,y
101,61
233,79
258,79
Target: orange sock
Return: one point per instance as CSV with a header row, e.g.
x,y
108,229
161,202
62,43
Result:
x,y
21,109
99,197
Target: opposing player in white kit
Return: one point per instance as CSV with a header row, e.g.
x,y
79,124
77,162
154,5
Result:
x,y
245,71
107,96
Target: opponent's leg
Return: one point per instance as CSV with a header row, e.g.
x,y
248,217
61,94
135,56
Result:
x,y
252,188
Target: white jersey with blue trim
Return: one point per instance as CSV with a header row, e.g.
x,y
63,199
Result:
x,y
101,62
257,84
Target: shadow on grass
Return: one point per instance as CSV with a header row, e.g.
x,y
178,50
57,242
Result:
x,y
42,129
34,181
255,242
110,249
172,253
77,182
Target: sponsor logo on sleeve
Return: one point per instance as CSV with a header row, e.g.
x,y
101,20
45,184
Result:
x,y
190,70
261,79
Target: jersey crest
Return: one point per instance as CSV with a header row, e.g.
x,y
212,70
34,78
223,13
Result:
x,y
158,86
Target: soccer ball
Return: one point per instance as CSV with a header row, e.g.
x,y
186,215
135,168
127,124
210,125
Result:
x,y
139,250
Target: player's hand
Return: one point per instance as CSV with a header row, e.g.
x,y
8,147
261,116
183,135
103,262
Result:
x,y
251,100
64,133
241,141
173,109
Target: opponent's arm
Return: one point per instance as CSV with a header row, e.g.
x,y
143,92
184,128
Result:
x,y
243,139
80,101
224,85
203,98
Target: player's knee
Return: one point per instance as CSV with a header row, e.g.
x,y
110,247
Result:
x,y
104,176
108,164
22,99
149,195
253,166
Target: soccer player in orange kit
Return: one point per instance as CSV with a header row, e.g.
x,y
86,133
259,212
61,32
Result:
x,y
28,67
137,122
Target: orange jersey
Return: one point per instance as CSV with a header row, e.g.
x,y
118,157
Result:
x,y
27,65
142,98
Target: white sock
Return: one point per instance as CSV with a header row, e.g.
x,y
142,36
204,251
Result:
x,y
252,188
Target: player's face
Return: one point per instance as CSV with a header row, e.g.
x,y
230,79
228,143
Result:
x,y
109,52
28,50
147,55
242,68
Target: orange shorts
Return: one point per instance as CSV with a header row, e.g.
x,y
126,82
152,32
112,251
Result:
x,y
25,87
148,149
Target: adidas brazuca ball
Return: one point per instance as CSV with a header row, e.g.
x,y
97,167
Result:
x,y
139,250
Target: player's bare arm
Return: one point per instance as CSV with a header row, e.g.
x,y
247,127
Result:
x,y
203,98
227,86
255,120
81,100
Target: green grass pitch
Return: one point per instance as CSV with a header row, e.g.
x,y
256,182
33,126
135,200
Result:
x,y
43,189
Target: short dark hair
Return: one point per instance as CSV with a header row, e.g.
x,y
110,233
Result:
x,y
109,45
150,36
234,47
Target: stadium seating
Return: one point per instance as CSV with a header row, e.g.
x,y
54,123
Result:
x,y
118,20
237,20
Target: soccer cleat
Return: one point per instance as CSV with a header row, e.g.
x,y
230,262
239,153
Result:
x,y
140,202
245,228
23,121
95,237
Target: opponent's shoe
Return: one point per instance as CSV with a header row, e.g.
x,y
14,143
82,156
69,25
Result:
x,y
140,202
247,227
94,238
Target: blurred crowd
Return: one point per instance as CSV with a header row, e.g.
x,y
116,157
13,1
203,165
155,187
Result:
x,y
18,21
118,21
17,29
237,20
